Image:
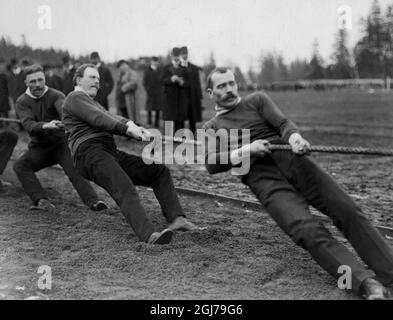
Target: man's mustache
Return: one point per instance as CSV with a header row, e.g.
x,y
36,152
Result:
x,y
229,96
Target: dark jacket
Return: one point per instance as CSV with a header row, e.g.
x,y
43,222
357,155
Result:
x,y
16,85
195,92
154,89
68,82
176,96
4,93
106,86
54,82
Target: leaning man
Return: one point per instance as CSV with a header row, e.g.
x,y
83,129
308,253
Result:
x,y
286,183
40,110
91,128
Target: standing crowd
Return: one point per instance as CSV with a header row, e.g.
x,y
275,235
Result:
x,y
173,91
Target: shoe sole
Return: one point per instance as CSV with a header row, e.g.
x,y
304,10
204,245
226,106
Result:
x,y
164,238
100,207
50,210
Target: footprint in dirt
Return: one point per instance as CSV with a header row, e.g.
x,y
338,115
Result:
x,y
209,237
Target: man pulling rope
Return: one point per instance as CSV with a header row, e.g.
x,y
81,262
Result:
x,y
286,183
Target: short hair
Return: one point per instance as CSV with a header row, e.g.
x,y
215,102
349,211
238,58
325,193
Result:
x,y
154,59
65,59
14,61
48,67
25,63
175,52
33,69
216,70
94,55
121,62
184,50
80,72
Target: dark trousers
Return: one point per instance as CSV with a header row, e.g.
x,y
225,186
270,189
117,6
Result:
x,y
156,118
191,119
286,184
8,141
123,112
37,158
118,173
103,101
3,114
178,125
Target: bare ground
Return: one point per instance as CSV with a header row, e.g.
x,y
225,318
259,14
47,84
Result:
x,y
242,255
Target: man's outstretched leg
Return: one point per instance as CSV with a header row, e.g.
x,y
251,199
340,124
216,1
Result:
x,y
159,178
82,186
33,160
103,168
326,195
289,209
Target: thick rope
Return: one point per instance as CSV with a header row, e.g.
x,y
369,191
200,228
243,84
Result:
x,y
342,150
10,120
322,149
283,147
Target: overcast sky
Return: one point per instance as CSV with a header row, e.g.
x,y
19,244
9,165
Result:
x,y
236,30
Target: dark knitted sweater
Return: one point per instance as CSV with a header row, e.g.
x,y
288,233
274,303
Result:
x,y
34,113
85,119
256,112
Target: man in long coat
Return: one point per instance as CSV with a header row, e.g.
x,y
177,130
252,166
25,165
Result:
x,y
153,86
127,85
176,82
4,91
106,80
194,91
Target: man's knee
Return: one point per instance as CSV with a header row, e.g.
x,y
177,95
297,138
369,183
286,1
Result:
x,y
350,212
10,138
163,171
308,233
159,172
21,165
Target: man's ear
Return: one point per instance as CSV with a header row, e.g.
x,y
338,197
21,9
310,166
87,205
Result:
x,y
210,92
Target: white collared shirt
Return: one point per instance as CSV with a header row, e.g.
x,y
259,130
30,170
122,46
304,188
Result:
x,y
28,92
78,88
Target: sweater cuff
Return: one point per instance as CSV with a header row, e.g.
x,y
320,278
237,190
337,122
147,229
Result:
x,y
37,129
289,133
120,129
124,120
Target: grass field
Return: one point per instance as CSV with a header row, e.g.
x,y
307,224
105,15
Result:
x,y
343,111
346,110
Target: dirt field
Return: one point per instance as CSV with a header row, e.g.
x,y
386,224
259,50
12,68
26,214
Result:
x,y
96,256
242,255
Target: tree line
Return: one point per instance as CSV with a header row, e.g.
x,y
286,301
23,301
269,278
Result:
x,y
372,56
